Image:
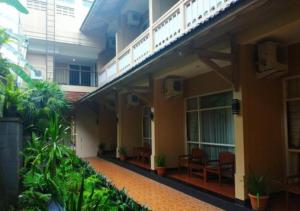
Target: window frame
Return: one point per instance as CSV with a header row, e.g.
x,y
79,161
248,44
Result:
x,y
199,110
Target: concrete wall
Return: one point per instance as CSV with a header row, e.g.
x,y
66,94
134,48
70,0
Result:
x,y
66,27
11,144
87,132
169,125
130,122
125,36
204,84
262,111
38,61
160,7
107,128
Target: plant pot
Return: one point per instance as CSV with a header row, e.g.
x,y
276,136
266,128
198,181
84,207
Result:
x,y
259,203
100,153
123,157
161,171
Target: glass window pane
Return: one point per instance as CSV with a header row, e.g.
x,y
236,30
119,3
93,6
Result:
x,y
293,120
147,123
74,77
212,152
74,67
217,126
85,68
192,104
192,126
216,100
293,88
85,78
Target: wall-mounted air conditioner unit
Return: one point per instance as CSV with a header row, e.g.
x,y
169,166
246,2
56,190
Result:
x,y
173,87
270,60
36,74
132,100
133,18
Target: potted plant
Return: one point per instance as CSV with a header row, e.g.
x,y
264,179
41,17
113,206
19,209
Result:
x,y
123,153
257,191
101,148
160,164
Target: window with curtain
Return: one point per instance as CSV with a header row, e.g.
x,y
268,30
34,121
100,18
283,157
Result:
x,y
209,123
293,112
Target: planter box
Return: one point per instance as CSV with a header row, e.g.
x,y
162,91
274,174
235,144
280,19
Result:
x,y
11,143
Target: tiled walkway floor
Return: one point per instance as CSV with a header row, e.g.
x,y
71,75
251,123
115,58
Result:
x,y
145,191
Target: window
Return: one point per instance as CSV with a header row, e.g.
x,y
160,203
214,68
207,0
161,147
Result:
x,y
80,75
292,100
209,123
147,126
37,4
66,11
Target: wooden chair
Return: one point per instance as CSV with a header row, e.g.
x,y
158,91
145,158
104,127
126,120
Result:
x,y
224,166
196,156
292,185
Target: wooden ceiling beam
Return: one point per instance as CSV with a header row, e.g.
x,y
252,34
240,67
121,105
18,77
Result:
x,y
217,69
215,55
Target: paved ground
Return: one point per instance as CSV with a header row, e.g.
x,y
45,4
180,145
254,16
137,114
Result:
x,y
145,191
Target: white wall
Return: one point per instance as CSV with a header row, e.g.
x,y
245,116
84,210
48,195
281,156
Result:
x,y
38,61
67,28
86,132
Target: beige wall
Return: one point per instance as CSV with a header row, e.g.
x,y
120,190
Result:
x,y
262,112
169,116
107,128
204,84
87,131
130,120
66,27
169,125
38,61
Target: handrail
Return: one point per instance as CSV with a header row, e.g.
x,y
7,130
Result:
x,y
185,14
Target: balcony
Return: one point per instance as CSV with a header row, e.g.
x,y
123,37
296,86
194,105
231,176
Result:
x,y
75,75
177,21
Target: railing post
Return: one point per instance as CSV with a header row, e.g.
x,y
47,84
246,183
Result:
x,y
182,11
151,29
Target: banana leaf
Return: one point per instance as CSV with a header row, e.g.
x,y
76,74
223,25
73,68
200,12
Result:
x,y
16,4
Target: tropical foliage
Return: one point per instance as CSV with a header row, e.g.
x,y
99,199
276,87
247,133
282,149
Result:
x,y
257,185
53,175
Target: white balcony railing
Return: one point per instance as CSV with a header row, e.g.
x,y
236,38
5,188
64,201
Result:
x,y
177,21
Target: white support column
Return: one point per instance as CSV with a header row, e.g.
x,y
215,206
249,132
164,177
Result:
x,y
153,139
240,171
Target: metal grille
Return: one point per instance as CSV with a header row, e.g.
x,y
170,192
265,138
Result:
x,y
37,5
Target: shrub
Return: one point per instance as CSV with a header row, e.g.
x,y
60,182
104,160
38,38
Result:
x,y
160,160
52,174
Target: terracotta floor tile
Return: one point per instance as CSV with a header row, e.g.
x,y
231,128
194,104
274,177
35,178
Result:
x,y
145,191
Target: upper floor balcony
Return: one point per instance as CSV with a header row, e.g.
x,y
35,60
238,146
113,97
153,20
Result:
x,y
180,19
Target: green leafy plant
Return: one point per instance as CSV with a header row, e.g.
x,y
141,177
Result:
x,y
42,101
16,4
122,151
257,185
10,93
160,160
